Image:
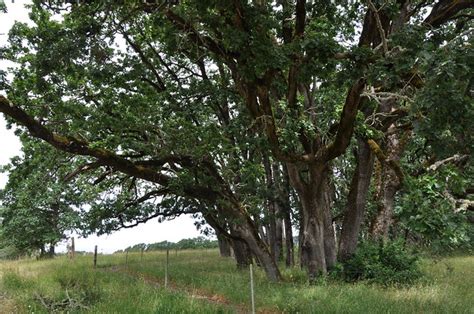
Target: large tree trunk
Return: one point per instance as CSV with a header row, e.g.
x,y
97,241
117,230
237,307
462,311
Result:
x,y
242,254
388,186
356,201
312,242
316,234
247,231
224,244
245,239
273,210
330,248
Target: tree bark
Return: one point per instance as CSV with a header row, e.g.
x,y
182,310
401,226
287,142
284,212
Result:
x,y
278,234
242,254
224,244
273,210
289,243
356,201
245,240
283,202
330,248
247,231
388,186
317,242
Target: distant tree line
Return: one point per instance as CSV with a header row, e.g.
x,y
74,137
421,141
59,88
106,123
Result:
x,y
184,244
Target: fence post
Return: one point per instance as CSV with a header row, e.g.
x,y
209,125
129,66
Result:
x,y
72,249
126,258
251,289
166,265
141,256
95,256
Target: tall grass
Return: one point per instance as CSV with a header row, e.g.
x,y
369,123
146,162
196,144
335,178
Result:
x,y
203,282
42,286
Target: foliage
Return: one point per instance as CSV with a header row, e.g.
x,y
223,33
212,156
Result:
x,y
184,244
38,208
169,109
428,211
9,252
383,263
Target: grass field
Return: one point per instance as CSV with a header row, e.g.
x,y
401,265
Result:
x,y
203,282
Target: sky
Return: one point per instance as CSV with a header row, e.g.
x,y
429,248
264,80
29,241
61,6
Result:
x,y
10,146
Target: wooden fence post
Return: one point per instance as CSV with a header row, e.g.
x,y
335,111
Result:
x,y
126,257
141,256
166,265
72,249
95,256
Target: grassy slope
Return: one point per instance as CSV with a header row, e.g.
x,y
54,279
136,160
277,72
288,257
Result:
x,y
137,287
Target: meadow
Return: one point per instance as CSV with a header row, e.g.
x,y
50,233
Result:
x,y
202,282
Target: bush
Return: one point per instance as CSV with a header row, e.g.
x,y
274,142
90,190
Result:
x,y
9,252
384,263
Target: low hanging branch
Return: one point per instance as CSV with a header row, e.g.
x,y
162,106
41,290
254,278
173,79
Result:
x,y
105,157
78,146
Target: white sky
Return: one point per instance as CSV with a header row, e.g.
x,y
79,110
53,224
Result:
x,y
10,146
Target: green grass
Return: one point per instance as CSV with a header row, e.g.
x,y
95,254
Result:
x,y
96,291
138,287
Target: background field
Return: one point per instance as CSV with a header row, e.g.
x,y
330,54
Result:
x,y
203,282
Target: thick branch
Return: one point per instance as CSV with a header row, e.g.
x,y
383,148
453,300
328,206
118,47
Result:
x,y
385,160
379,27
445,10
78,146
346,123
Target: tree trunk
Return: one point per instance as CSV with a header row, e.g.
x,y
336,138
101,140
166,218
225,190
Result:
x,y
278,235
244,238
247,231
51,250
273,210
318,248
312,244
356,201
283,202
329,234
388,186
289,244
224,244
242,254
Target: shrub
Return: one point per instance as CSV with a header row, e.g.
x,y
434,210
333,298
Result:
x,y
384,263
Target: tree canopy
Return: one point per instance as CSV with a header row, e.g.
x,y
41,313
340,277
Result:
x,y
251,114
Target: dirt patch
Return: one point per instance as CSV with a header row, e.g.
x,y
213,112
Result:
x,y
8,305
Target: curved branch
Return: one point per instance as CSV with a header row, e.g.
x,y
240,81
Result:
x,y
445,10
346,124
78,146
